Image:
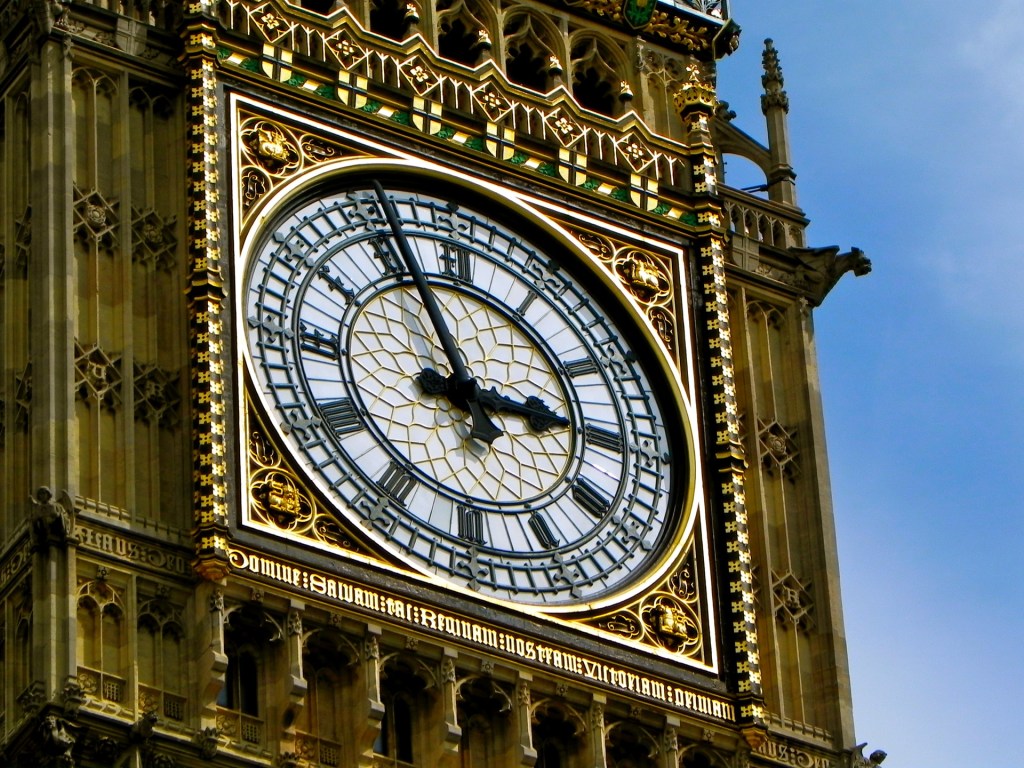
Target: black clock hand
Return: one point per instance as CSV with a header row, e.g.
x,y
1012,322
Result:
x,y
534,409
540,416
465,385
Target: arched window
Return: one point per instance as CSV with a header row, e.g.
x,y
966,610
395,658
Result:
x,y
326,667
532,59
241,692
101,644
391,18
404,697
556,731
483,715
464,33
22,656
630,746
247,637
597,80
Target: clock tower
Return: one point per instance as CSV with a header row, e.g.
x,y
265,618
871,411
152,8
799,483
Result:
x,y
401,384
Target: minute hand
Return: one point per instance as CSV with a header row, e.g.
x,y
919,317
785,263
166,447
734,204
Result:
x,y
483,428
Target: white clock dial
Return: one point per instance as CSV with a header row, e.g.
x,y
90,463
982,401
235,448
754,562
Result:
x,y
570,496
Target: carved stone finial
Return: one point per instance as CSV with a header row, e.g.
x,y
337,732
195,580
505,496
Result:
x,y
772,80
448,670
294,623
523,693
372,647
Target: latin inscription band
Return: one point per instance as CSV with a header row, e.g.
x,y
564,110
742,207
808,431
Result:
x,y
416,615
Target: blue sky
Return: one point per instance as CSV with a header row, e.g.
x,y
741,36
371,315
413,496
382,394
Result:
x,y
907,125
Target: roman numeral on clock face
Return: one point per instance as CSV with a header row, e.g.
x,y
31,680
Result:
x,y
580,367
603,438
385,254
396,482
542,530
341,416
589,497
317,341
456,261
471,524
526,302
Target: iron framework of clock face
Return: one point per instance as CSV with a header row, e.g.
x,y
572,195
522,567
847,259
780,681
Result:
x,y
508,439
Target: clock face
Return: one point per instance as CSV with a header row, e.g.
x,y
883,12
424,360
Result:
x,y
508,440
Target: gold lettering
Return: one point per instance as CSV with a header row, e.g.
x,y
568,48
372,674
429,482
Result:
x,y
332,588
428,618
317,584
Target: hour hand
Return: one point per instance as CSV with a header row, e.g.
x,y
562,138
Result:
x,y
539,416
464,395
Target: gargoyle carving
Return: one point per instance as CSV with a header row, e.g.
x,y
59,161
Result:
x,y
857,759
820,268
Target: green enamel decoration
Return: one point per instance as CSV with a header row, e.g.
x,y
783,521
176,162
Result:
x,y
476,143
403,118
548,169
689,218
638,13
251,65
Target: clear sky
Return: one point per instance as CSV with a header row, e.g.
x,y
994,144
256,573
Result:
x,y
907,125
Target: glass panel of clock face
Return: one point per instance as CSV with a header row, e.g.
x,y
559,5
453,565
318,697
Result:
x,y
569,502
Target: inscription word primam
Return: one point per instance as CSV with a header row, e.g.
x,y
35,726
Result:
x,y
421,616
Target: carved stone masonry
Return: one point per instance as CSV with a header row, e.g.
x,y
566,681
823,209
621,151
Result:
x,y
52,524
57,739
792,600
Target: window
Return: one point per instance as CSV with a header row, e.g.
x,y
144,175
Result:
x,y
402,691
161,661
100,643
390,18
531,60
326,667
596,82
248,633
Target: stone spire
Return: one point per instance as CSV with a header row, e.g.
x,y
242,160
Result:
x,y
775,105
772,81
